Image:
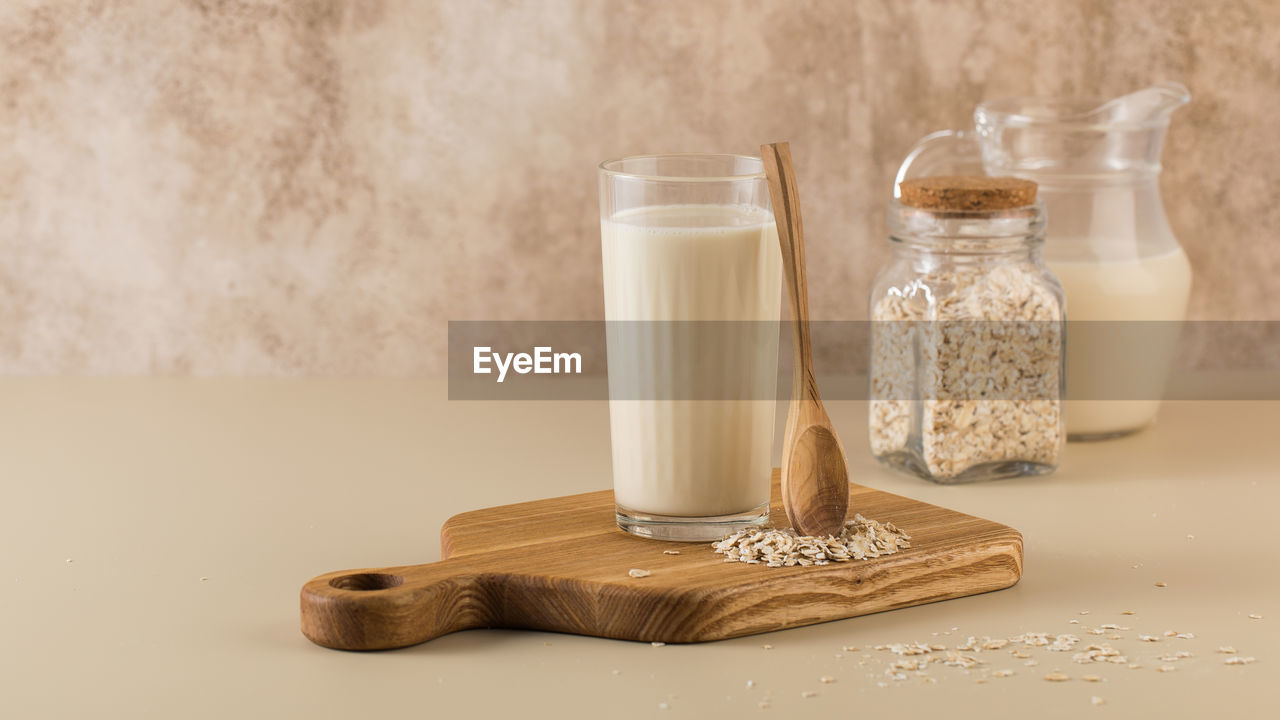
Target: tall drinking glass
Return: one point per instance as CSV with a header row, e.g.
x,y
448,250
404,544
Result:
x,y
692,290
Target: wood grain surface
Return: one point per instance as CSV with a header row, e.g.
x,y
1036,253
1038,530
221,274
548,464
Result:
x,y
562,565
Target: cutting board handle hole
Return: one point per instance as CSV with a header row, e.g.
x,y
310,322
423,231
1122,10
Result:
x,y
366,581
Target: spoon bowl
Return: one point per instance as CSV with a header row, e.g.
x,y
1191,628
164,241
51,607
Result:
x,y
819,477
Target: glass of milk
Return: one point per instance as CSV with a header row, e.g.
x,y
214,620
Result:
x,y
692,290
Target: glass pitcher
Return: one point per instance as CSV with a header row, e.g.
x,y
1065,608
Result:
x,y
1127,280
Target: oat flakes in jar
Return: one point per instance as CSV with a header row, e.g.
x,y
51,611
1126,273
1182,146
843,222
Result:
x,y
967,334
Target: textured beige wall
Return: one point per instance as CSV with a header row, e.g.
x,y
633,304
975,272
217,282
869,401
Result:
x,y
222,187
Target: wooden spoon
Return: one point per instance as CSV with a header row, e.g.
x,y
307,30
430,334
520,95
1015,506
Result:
x,y
815,471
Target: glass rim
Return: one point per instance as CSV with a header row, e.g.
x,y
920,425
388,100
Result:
x,y
606,170
1002,230
1013,111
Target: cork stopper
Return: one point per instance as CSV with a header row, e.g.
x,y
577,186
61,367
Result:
x,y
967,192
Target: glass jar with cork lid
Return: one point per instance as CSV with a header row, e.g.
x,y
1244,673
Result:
x,y
967,334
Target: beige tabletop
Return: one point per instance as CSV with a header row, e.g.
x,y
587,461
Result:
x,y
154,535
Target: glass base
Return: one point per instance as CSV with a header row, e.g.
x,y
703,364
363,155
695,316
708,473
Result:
x,y
1109,435
1000,470
689,529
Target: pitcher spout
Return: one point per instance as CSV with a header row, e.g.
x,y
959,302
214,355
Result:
x,y
1052,139
1146,107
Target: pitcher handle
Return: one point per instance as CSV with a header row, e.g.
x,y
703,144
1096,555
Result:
x,y
946,152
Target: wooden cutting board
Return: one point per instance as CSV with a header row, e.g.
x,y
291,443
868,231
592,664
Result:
x,y
562,565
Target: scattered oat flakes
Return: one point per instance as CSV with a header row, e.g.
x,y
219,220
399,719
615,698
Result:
x,y
1191,537
1002,673
1148,638
913,648
1237,660
204,579
657,644
1161,583
1032,639
1056,676
1091,678
1135,666
1174,657
1063,643
1031,663
1021,655
994,644
826,679
1227,649
767,646
751,684
1097,700
938,648
1166,668
1128,612
1100,653
955,659
860,539
808,694
764,704
1084,612
662,706
670,552
1074,622
1255,616
637,573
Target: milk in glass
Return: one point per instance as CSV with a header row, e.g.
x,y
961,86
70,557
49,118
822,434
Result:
x,y
692,294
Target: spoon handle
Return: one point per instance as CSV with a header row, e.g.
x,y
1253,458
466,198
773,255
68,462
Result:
x,y
786,212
